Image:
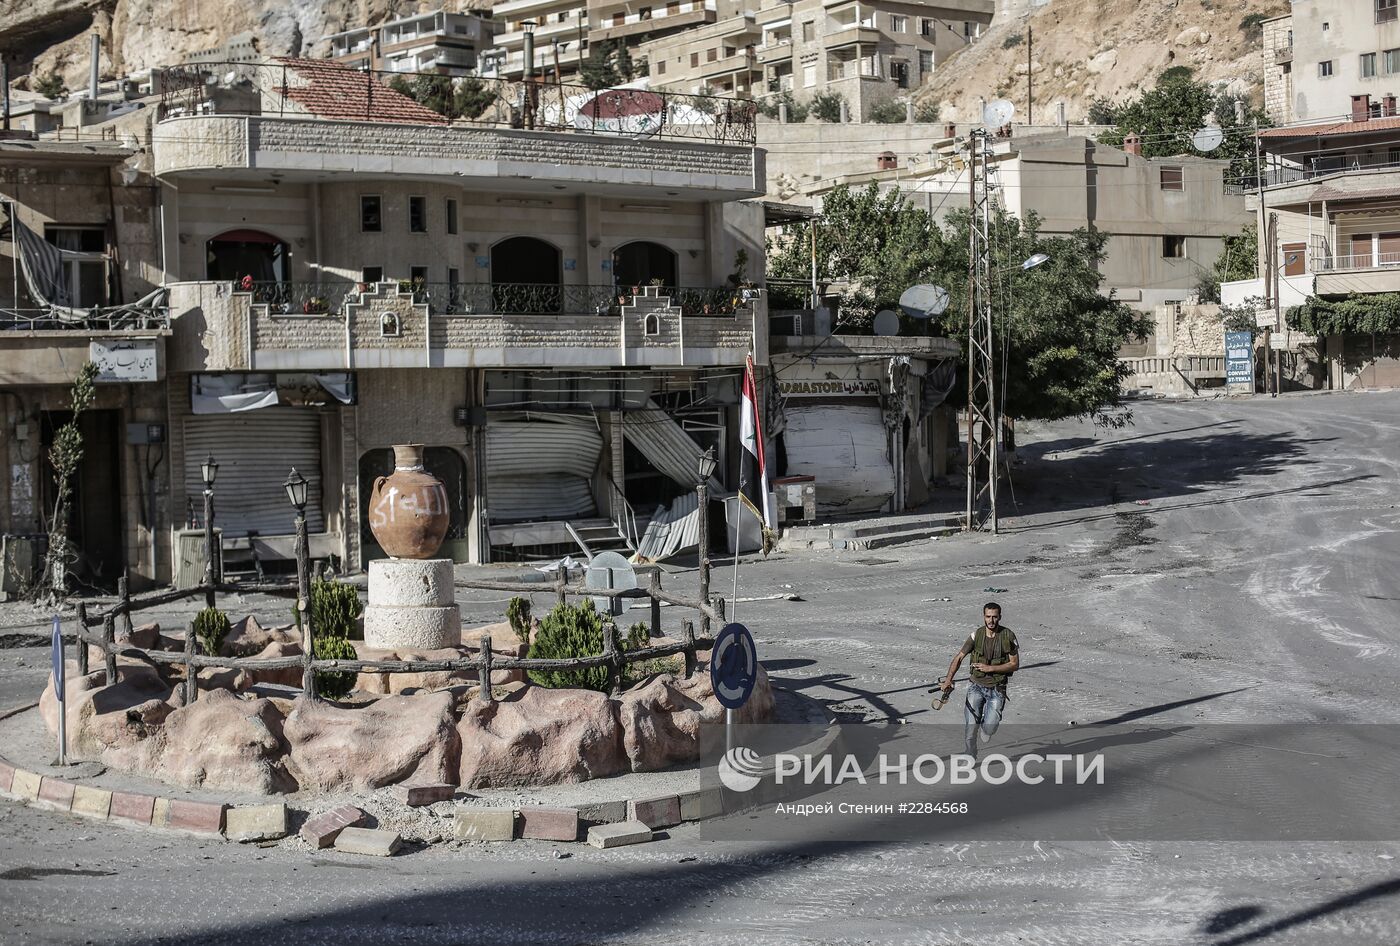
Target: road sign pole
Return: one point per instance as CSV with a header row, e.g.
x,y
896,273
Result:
x,y
60,686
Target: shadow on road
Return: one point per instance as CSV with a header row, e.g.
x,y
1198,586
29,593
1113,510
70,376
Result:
x,y
1236,916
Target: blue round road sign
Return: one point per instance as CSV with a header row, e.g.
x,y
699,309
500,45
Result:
x,y
733,666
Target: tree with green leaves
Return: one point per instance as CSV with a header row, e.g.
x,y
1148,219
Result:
x,y
51,86
827,106
622,61
598,71
1238,259
1167,115
65,457
874,241
1057,331
472,98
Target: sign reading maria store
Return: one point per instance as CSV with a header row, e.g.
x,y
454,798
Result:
x,y
848,387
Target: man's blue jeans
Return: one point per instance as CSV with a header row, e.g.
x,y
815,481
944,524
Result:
x,y
982,710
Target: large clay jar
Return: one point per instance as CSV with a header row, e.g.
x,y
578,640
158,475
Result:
x,y
408,511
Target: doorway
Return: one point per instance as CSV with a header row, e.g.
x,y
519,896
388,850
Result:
x,y
236,254
526,276
643,263
94,520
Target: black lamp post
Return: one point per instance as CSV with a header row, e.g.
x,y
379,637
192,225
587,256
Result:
x,y
702,496
209,470
296,495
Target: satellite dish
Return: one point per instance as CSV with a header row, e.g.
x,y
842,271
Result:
x,y
997,112
609,571
886,323
1207,139
924,301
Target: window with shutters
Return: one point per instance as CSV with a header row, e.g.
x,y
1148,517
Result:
x,y
1171,179
1368,65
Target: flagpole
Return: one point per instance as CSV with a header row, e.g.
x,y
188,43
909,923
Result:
x,y
738,511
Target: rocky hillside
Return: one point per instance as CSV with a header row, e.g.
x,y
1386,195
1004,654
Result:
x,y
1084,49
43,36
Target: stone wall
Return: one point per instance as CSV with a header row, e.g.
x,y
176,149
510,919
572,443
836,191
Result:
x,y
266,142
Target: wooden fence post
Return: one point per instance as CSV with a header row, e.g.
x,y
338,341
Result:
x,y
719,610
562,582
614,664
81,638
191,683
655,603
109,644
688,635
484,673
124,599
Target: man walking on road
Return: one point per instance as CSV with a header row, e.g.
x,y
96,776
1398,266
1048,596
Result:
x,y
995,657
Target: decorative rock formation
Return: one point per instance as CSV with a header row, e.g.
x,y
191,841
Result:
x,y
540,737
394,739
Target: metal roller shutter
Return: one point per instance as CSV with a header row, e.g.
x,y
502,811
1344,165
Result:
x,y
541,468
666,445
846,448
255,451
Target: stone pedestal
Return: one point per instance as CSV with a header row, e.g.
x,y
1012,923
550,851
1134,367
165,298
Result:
x,y
412,605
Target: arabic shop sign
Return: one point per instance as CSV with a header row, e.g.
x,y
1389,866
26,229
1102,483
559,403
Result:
x,y
852,387
123,360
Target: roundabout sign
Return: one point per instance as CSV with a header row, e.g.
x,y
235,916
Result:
x,y
733,666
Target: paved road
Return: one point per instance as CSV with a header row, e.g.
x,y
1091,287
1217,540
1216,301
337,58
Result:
x,y
1213,562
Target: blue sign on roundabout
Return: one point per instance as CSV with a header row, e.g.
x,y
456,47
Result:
x,y
733,666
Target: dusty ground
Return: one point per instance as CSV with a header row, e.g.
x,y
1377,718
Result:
x,y
1231,561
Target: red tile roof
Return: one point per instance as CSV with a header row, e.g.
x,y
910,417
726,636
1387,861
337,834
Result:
x,y
1330,128
329,90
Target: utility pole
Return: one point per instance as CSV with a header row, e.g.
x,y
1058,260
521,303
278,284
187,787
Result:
x,y
981,387
1278,310
1030,96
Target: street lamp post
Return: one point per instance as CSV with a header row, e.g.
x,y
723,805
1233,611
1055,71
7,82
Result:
x,y
1008,423
528,53
702,497
296,495
209,470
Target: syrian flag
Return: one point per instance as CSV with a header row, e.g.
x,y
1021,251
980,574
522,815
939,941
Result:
x,y
754,491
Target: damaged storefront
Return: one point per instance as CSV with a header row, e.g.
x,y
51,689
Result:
x,y
580,462
864,418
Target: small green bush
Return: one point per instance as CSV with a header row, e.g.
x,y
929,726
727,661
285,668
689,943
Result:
x,y
570,631
51,86
888,112
827,106
334,684
926,113
334,608
1015,39
638,636
518,614
210,628
796,112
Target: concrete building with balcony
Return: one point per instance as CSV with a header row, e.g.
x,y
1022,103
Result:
x,y
1166,218
79,282
1330,201
433,42
560,313
560,31
864,51
1325,51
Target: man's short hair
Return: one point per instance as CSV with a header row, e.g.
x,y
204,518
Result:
x,y
991,606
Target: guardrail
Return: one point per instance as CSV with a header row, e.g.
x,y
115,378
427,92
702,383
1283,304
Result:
x,y
222,88
310,298
107,319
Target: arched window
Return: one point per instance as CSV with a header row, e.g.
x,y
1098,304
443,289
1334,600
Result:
x,y
642,263
236,254
526,276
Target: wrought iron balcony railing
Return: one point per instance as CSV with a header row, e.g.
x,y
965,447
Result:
x,y
307,298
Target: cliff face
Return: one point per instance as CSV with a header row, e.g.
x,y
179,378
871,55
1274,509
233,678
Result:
x,y
43,36
1083,49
